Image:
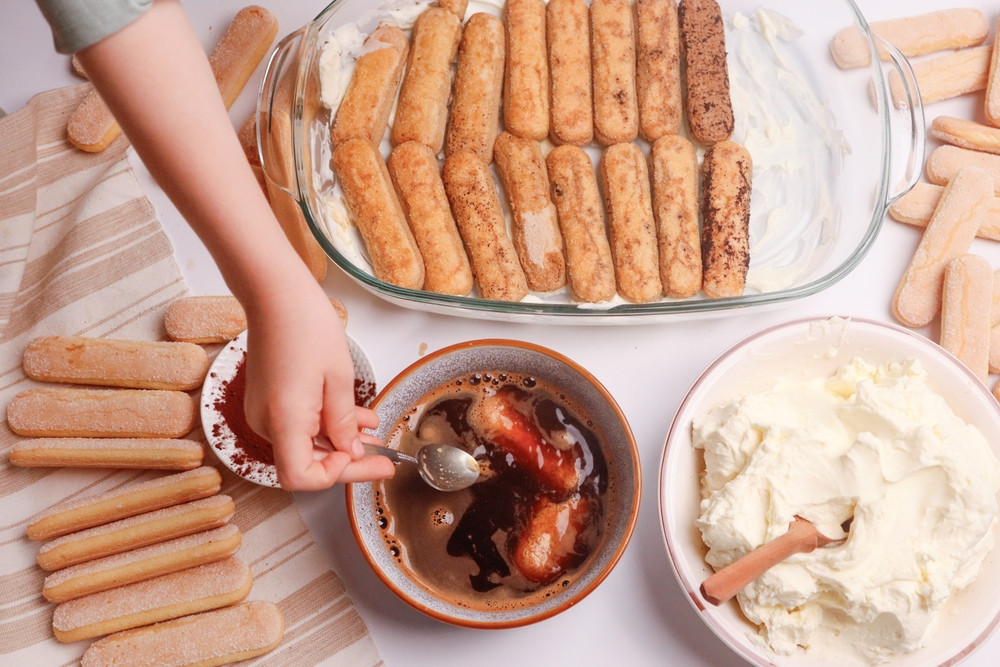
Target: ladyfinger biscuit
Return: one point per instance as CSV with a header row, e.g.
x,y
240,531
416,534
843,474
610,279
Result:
x,y
474,200
946,161
372,203
577,198
567,28
146,453
912,35
658,68
526,77
415,172
241,48
364,109
136,531
548,545
91,126
917,206
725,245
675,209
946,76
422,108
534,222
992,106
217,637
948,235
128,500
456,7
703,39
631,227
214,319
116,363
166,597
966,305
478,93
612,52
71,412
140,564
966,134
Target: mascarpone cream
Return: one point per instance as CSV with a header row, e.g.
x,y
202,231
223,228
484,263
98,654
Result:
x,y
872,442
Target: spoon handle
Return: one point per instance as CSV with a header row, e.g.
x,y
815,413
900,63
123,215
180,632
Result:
x,y
801,537
392,454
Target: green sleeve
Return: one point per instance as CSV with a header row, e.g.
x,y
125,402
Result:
x,y
77,24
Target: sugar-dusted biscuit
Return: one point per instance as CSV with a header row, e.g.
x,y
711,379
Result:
x,y
916,207
945,76
966,309
165,597
567,28
146,453
526,77
74,412
136,531
111,362
913,35
612,53
948,235
658,68
143,563
726,170
218,637
946,161
478,92
675,208
136,498
708,105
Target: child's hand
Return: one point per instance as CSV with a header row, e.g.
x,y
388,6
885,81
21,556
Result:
x,y
300,384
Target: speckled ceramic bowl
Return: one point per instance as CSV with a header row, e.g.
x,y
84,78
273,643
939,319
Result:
x,y
621,499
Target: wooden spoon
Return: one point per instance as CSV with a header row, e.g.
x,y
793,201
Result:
x,y
801,538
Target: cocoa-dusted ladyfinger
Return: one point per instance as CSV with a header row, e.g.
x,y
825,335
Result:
x,y
375,208
631,227
415,172
658,68
364,110
577,197
725,245
567,27
526,77
422,107
474,200
703,38
534,223
478,92
612,52
675,208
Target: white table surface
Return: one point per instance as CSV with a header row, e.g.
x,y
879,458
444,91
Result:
x,y
639,615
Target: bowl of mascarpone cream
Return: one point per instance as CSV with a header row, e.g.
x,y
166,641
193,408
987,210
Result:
x,y
832,418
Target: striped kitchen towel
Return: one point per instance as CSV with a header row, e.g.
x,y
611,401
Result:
x,y
82,253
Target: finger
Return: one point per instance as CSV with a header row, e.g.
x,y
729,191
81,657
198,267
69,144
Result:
x,y
340,421
366,417
370,439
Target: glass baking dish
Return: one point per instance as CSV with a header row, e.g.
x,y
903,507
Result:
x,y
830,156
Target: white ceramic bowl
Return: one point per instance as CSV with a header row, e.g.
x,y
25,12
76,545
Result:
x,y
550,368
218,432
811,348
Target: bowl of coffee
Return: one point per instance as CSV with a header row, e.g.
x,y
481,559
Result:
x,y
556,500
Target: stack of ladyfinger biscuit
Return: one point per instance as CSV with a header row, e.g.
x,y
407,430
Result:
x,y
952,57
494,91
152,563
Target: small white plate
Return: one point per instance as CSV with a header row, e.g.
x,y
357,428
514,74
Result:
x,y
219,432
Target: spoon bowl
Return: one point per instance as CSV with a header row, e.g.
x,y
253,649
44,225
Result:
x,y
443,467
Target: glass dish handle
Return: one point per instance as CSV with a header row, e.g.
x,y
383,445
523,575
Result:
x,y
916,131
274,114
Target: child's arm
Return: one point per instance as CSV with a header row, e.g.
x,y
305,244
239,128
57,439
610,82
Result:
x,y
154,76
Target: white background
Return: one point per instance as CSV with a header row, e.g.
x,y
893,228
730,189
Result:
x,y
639,615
